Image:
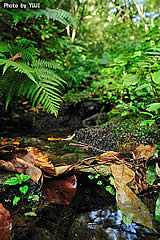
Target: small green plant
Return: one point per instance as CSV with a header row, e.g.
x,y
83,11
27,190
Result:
x,y
19,179
100,182
157,209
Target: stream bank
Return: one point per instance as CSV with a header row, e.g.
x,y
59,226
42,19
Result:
x,y
93,212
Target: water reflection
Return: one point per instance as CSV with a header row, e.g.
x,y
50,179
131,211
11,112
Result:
x,y
112,224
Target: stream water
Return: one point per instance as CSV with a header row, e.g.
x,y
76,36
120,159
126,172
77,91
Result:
x,y
92,214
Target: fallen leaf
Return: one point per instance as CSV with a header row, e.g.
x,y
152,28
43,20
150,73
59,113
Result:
x,y
54,139
131,205
145,151
28,169
63,169
4,143
7,165
61,191
122,173
5,223
41,160
68,138
15,143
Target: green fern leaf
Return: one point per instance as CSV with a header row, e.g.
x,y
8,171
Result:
x,y
19,67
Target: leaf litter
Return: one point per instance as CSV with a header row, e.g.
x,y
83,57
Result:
x,y
127,172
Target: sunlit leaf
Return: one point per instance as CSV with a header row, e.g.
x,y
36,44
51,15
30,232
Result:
x,y
91,176
33,197
54,139
126,220
12,181
31,214
24,178
131,80
16,200
153,107
23,189
156,77
157,169
100,182
110,189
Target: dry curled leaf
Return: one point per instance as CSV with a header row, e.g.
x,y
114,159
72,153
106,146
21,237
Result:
x,y
28,169
145,151
41,160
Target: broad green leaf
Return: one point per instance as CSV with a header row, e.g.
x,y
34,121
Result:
x,y
24,178
157,209
149,122
157,145
31,214
131,80
23,189
12,181
151,175
125,113
156,77
16,200
156,153
33,197
97,176
153,107
91,177
126,220
110,189
100,182
147,113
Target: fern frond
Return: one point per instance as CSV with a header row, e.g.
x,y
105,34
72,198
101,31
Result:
x,y
41,84
59,15
46,64
19,67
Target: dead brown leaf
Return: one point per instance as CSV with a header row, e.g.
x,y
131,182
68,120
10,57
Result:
x,y
41,160
61,191
5,223
131,205
28,169
63,169
122,173
145,151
